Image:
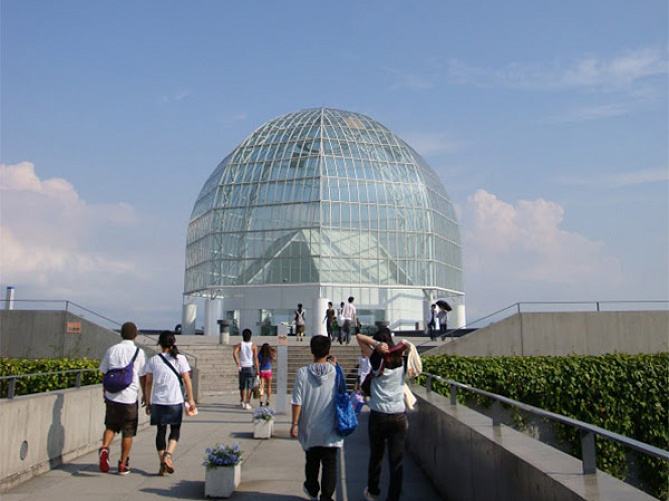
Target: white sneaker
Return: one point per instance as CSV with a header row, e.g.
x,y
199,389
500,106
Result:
x,y
369,497
242,405
248,407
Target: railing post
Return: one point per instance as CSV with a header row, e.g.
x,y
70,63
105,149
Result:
x,y
454,394
428,384
78,381
496,413
589,457
11,388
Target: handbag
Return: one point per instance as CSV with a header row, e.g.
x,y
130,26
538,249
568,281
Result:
x,y
116,380
345,419
258,390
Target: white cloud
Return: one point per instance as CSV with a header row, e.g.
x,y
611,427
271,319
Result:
x,y
432,143
54,245
622,72
618,179
405,80
176,97
592,113
519,252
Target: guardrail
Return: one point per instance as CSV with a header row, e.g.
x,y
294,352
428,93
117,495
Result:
x,y
76,309
588,431
11,390
560,306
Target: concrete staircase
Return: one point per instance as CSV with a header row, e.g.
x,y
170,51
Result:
x,y
215,373
347,358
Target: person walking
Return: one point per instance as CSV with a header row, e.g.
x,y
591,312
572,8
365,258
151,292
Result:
x,y
299,317
121,408
330,320
388,421
167,375
432,322
443,321
246,358
340,322
313,420
350,317
266,356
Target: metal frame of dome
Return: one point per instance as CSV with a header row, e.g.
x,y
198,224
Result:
x,y
328,198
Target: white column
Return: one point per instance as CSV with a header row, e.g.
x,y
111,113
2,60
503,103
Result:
x,y
282,378
188,319
9,298
318,307
212,312
457,318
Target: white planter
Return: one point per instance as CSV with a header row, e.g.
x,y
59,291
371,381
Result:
x,y
221,482
263,428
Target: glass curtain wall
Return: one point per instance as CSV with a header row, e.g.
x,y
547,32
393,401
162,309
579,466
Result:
x,y
323,196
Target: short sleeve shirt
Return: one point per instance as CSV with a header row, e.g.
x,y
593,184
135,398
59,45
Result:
x,y
166,385
348,312
117,357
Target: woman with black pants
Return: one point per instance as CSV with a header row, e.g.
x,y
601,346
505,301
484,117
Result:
x,y
165,398
387,420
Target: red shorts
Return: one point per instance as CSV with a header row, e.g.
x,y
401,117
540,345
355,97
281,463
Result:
x,y
266,374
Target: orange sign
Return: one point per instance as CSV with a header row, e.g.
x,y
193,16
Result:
x,y
74,327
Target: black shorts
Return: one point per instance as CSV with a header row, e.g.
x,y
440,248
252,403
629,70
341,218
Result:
x,y
121,418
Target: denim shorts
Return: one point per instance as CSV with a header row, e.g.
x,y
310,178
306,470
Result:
x,y
246,376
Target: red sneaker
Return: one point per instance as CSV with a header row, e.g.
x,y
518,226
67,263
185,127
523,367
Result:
x,y
124,468
103,454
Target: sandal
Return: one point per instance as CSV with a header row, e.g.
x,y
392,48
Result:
x,y
163,469
168,462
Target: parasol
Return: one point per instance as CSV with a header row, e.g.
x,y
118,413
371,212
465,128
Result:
x,y
443,304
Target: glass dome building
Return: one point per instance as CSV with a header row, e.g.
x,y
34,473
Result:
x,y
319,205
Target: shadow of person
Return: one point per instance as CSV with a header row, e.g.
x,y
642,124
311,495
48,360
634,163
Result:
x,y
55,440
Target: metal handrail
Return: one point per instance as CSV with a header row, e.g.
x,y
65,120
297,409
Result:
x,y
13,377
588,431
518,308
67,303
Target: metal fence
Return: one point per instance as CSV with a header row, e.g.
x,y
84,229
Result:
x,y
588,431
11,390
561,306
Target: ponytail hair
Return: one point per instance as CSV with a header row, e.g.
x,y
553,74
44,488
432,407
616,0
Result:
x,y
167,339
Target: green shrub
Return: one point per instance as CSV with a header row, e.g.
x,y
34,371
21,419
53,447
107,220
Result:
x,y
40,384
626,394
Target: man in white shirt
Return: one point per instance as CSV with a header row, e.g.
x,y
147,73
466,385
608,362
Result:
x,y
350,317
122,407
246,358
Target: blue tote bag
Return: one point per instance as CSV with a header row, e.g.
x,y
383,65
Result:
x,y
346,419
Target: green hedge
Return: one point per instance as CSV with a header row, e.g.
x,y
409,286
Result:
x,y
626,394
40,384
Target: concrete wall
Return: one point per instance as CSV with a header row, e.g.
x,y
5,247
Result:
x,y
38,334
467,459
54,428
567,333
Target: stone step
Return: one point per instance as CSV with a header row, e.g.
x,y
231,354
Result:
x,y
217,372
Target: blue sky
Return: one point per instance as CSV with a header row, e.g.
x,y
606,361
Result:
x,y
546,122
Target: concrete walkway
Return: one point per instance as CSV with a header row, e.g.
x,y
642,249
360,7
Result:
x,y
272,470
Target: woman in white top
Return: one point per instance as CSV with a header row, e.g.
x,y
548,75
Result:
x,y
388,423
165,397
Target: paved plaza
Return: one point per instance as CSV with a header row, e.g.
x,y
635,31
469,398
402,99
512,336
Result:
x,y
272,469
